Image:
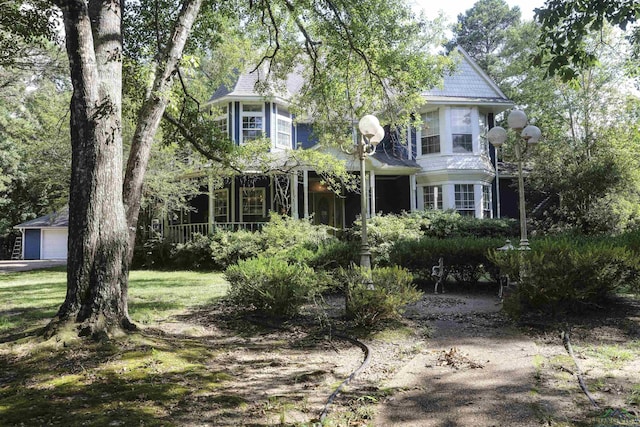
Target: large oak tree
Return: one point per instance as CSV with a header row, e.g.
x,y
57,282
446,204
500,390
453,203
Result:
x,y
359,57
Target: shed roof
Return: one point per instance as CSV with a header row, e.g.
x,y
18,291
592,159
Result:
x,y
54,219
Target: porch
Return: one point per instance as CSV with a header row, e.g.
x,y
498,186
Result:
x,y
182,233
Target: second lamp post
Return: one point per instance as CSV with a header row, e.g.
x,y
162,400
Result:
x,y
527,134
371,135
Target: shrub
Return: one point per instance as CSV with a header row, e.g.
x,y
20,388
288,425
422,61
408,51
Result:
x,y
154,253
465,258
271,286
393,289
195,254
283,232
229,247
384,231
335,254
568,275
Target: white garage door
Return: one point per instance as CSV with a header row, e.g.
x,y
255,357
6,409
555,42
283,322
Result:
x,y
54,243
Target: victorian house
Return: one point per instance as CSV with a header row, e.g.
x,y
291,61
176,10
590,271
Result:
x,y
446,164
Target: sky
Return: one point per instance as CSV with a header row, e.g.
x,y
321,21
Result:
x,y
452,8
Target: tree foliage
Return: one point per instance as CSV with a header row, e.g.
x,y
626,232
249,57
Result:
x,y
34,134
582,175
566,25
482,31
24,26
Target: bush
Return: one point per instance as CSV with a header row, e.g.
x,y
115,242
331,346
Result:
x,y
154,253
385,231
335,254
568,275
285,233
271,286
393,289
230,247
195,254
465,258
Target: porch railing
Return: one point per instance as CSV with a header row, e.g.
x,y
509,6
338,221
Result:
x,y
183,233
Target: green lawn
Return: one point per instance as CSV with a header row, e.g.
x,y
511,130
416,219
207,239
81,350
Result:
x,y
137,379
29,299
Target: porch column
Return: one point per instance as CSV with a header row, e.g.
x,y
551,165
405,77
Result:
x,y
305,187
412,193
233,199
294,195
211,207
372,194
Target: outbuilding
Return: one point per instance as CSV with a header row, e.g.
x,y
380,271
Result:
x,y
45,237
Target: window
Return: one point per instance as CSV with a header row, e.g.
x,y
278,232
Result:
x,y
252,116
221,205
465,203
430,139
221,121
486,201
432,197
461,132
283,128
253,201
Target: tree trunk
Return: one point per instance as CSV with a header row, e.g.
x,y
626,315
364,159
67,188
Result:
x,y
96,288
101,231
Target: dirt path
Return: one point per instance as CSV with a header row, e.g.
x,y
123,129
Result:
x,y
475,370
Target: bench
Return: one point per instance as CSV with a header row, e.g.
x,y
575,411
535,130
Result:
x,y
438,271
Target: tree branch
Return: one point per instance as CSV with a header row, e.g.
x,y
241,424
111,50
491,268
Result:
x,y
186,134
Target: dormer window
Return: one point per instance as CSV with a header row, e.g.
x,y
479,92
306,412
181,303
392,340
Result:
x,y
430,140
461,130
283,128
252,121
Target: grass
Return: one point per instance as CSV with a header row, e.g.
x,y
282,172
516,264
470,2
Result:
x,y
611,356
137,380
30,299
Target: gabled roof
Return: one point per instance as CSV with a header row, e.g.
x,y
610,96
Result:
x,y
468,84
54,219
243,85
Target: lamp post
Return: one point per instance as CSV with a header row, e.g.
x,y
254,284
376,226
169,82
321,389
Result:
x,y
371,134
528,135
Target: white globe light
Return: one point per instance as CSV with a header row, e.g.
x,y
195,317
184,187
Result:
x,y
531,134
369,125
517,119
497,136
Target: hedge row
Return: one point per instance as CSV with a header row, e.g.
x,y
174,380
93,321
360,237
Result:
x,y
568,272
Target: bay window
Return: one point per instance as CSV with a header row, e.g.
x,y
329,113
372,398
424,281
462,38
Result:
x,y
465,199
283,128
432,196
430,139
461,130
252,121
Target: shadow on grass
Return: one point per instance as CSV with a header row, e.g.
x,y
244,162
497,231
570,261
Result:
x,y
140,379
